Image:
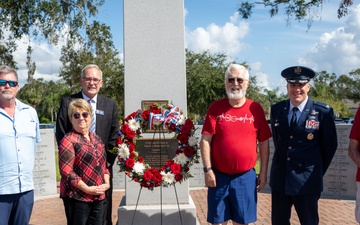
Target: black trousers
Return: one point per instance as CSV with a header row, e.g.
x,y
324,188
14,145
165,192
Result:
x,y
306,207
83,213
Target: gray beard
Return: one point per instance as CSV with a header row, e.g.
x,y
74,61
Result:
x,y
7,96
239,95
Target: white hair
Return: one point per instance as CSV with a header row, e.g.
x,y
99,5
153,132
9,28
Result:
x,y
237,67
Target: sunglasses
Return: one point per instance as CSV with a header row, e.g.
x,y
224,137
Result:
x,y
77,115
232,80
11,83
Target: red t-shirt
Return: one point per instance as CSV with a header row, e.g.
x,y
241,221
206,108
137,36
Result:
x,y
235,134
355,135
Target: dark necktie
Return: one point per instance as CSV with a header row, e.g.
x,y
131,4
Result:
x,y
293,120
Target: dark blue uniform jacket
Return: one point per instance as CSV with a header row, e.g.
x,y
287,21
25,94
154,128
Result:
x,y
302,157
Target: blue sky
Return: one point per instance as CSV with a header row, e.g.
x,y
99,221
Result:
x,y
267,44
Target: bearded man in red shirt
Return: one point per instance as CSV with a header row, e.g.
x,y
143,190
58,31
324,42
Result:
x,y
235,128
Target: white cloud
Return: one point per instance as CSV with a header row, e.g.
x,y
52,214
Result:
x,y
45,56
214,38
227,39
261,78
337,51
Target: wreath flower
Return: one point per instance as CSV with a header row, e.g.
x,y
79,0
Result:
x,y
157,117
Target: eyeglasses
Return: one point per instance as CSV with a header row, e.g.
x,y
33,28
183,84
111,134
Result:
x,y
94,80
77,115
11,83
239,80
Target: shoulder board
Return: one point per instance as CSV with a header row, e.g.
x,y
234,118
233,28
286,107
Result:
x,y
322,105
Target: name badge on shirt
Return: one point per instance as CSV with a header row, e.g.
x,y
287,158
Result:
x,y
99,112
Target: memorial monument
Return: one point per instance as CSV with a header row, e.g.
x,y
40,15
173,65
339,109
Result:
x,y
154,58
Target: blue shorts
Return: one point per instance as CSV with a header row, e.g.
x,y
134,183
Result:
x,y
233,198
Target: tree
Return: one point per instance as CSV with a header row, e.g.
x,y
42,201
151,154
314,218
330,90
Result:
x,y
270,98
294,9
325,90
257,94
43,19
87,41
205,80
349,86
44,96
97,49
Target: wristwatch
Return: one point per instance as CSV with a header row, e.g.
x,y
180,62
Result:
x,y
207,169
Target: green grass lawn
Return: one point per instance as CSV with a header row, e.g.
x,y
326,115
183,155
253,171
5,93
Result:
x,y
57,166
257,167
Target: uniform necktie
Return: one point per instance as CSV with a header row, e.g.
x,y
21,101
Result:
x,y
293,120
92,127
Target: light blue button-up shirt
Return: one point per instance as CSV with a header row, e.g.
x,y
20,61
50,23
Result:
x,y
18,138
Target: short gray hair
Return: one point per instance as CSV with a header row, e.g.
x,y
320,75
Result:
x,y
4,69
243,70
88,67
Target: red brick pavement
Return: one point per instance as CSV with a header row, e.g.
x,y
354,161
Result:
x,y
50,211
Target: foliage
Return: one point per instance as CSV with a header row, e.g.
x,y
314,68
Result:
x,y
43,19
294,9
205,83
349,86
100,50
44,96
205,80
86,41
325,89
270,98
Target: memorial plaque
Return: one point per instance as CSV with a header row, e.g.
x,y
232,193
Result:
x,y
118,177
44,169
146,103
156,152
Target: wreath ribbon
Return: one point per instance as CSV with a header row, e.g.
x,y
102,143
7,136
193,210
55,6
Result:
x,y
167,116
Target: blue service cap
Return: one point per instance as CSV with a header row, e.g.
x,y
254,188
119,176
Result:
x,y
298,74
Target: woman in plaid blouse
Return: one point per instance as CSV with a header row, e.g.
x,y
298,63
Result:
x,y
82,162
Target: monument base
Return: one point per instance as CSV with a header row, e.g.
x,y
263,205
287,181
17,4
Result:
x,y
151,214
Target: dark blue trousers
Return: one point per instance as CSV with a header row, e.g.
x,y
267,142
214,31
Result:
x,y
306,207
15,209
83,213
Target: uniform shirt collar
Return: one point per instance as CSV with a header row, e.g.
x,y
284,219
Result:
x,y
300,107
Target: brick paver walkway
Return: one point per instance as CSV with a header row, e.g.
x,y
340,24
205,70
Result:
x,y
50,211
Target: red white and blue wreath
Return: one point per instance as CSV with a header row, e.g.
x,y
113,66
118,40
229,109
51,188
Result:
x,y
157,117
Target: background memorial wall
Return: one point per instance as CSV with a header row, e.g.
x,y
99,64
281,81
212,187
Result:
x,y
45,167
339,180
